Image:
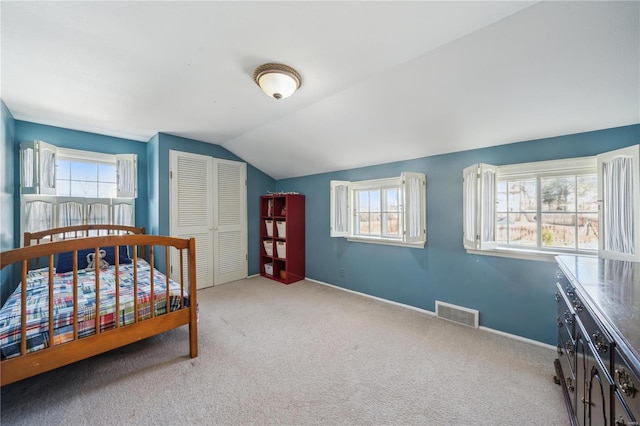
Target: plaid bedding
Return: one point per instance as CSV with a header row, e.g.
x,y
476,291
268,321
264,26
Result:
x,y
38,305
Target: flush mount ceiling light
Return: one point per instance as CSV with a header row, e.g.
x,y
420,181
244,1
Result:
x,y
276,80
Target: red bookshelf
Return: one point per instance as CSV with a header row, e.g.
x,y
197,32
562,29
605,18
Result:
x,y
282,228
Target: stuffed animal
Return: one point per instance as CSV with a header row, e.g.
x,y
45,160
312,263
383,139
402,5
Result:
x,y
92,261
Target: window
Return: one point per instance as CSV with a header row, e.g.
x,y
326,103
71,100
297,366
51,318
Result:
x,y
83,178
64,187
584,205
386,211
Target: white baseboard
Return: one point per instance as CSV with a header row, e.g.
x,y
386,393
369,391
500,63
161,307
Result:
x,y
490,330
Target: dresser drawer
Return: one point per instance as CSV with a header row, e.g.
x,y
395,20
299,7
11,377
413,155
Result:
x,y
567,358
601,340
565,316
621,414
627,383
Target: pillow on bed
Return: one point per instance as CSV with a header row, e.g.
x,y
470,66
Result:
x,y
65,260
111,255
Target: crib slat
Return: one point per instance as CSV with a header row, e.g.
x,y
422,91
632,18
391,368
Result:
x,y
167,271
51,296
152,296
135,284
75,295
97,273
117,313
23,309
181,278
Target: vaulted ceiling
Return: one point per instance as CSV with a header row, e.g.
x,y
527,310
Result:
x,y
382,81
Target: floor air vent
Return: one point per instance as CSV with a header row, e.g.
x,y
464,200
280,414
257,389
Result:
x,y
464,316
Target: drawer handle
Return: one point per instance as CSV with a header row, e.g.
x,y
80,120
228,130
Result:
x,y
625,383
599,341
570,348
568,318
577,306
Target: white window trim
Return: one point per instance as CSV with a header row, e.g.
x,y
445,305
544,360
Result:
x,y
574,166
345,213
515,253
78,154
384,241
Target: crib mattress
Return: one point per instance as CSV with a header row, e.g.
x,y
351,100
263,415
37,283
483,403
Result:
x,y
38,336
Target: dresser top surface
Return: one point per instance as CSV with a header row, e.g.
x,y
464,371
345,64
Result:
x,y
612,289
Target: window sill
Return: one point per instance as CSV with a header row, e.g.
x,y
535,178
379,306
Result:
x,y
386,242
546,256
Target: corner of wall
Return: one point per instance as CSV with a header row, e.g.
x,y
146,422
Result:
x,y
7,222
153,160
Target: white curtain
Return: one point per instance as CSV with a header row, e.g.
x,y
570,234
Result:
x,y
341,203
488,205
618,205
413,203
97,213
38,216
69,213
471,183
47,168
123,214
27,168
126,182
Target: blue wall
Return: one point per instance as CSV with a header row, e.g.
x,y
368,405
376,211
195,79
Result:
x,y
514,296
66,138
7,135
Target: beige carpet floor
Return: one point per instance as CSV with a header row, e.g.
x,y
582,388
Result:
x,y
296,355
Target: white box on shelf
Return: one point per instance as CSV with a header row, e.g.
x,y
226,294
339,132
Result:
x,y
269,225
282,228
268,268
268,247
282,249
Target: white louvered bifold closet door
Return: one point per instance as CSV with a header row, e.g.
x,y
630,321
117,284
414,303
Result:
x,y
230,221
191,199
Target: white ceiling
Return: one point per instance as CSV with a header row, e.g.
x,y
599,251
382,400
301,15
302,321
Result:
x,y
382,81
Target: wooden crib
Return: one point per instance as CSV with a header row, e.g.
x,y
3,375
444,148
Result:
x,y
80,329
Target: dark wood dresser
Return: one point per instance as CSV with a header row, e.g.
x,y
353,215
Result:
x,y
598,363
